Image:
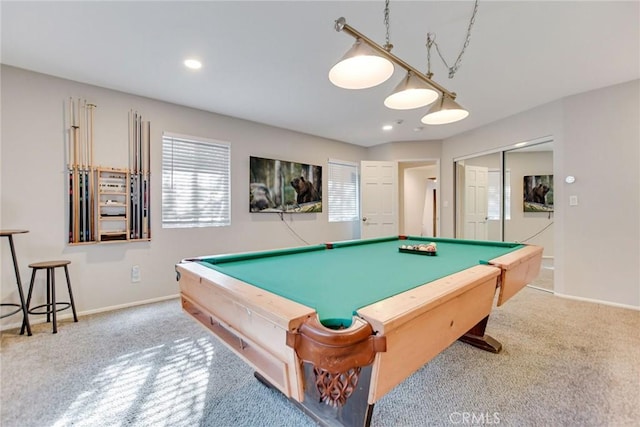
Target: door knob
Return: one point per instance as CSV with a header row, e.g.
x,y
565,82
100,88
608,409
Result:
x,y
364,219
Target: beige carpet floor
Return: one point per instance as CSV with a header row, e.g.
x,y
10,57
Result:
x,y
564,363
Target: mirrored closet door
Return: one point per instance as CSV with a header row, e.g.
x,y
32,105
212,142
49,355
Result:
x,y
507,195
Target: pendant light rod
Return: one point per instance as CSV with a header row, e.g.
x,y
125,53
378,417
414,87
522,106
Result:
x,y
341,25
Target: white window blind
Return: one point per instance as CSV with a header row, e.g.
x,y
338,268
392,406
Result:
x,y
495,195
343,191
196,185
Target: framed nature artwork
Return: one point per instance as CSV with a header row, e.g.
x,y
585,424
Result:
x,y
538,193
283,186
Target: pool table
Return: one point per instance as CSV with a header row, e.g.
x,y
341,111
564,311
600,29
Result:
x,y
336,326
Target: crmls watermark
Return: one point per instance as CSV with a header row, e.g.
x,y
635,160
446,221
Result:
x,y
474,418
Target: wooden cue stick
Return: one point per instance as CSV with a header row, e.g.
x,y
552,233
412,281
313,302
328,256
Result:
x,y
81,113
140,181
136,216
148,180
131,167
143,183
88,173
87,214
134,201
140,176
133,178
130,112
76,203
84,170
91,178
70,167
129,171
146,143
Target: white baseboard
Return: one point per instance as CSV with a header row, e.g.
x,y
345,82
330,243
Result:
x,y
69,314
127,305
540,289
596,301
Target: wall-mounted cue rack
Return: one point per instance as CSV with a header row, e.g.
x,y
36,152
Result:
x,y
80,172
107,204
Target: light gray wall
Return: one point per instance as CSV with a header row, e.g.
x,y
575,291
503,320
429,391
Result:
x,y
406,151
596,138
33,189
602,233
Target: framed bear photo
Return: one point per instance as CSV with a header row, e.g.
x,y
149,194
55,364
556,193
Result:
x,y
283,186
538,193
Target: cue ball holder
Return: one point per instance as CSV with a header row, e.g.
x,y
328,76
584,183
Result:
x,y
106,204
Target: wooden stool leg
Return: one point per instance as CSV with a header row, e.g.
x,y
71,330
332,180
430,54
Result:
x,y
48,295
25,314
33,277
53,298
73,305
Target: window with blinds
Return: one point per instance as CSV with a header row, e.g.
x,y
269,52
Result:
x,y
494,194
343,191
196,183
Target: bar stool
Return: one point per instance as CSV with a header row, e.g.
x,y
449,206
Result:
x,y
51,307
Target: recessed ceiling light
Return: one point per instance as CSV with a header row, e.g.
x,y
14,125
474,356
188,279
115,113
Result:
x,y
387,127
194,64
520,144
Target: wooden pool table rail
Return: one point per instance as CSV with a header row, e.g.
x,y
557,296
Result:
x,y
422,322
251,322
519,268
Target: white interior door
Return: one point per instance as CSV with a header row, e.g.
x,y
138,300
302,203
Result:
x,y
429,211
379,199
475,201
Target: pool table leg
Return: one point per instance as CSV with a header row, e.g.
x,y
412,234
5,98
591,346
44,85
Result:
x,y
357,412
477,337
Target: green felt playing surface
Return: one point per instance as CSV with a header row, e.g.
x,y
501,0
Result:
x,y
336,282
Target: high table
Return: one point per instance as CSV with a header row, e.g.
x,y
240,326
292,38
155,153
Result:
x,y
335,327
22,306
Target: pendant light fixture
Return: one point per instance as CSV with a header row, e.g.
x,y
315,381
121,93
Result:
x,y
360,68
368,64
411,92
444,111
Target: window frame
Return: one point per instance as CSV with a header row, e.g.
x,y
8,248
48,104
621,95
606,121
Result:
x,y
217,169
341,215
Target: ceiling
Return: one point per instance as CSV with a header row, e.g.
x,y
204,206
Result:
x,y
267,61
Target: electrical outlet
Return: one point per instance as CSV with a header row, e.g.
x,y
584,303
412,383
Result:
x,y
135,273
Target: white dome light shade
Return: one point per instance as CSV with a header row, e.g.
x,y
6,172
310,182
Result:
x,y
444,111
194,64
360,68
411,92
